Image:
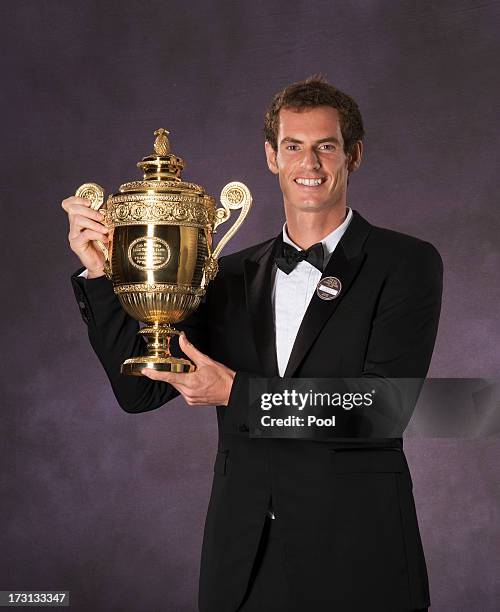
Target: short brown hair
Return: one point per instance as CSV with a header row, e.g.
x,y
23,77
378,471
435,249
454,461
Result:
x,y
310,93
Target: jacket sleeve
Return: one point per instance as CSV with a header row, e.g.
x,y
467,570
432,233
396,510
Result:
x,y
403,335
405,325
113,336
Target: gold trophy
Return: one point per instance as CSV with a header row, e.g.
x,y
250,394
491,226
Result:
x,y
160,256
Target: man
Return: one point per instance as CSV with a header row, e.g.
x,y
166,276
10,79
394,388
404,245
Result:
x,y
344,536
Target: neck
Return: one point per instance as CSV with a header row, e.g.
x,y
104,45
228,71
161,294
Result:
x,y
307,228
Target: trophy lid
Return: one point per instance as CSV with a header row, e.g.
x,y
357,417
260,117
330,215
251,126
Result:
x,y
162,170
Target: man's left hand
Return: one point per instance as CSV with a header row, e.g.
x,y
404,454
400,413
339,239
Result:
x,y
210,384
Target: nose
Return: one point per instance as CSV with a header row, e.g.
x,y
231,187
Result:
x,y
310,160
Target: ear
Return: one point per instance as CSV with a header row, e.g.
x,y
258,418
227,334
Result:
x,y
354,159
272,162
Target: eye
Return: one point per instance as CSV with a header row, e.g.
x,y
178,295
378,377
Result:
x,y
328,147
291,147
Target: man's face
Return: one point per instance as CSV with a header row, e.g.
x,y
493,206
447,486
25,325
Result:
x,y
310,161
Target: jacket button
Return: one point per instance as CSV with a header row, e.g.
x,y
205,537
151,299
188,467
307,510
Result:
x,y
243,428
82,305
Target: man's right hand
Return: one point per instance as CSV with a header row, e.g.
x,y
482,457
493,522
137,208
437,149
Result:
x,y
85,226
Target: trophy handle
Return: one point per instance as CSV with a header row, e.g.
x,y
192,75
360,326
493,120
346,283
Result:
x,y
95,194
234,196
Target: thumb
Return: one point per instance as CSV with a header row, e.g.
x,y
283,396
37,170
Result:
x,y
190,350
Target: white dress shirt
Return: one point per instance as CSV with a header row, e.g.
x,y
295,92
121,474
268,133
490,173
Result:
x,y
293,292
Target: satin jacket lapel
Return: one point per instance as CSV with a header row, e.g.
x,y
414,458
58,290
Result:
x,y
345,263
258,290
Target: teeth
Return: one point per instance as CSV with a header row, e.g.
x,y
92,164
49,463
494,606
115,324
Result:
x,y
309,182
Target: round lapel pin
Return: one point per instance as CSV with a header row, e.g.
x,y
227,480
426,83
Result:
x,y
329,288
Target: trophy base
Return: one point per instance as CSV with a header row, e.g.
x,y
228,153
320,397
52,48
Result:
x,y
158,356
133,366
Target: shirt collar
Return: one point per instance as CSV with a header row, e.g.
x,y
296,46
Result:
x,y
329,242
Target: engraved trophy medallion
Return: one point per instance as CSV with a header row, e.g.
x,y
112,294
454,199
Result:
x,y
160,256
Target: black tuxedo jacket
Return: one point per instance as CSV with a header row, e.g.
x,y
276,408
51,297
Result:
x,y
346,514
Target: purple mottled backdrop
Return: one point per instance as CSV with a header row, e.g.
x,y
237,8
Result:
x,y
110,505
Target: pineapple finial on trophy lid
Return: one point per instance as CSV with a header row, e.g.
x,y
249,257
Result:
x,y
162,165
162,144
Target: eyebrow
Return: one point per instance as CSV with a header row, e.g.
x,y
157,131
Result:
x,y
295,140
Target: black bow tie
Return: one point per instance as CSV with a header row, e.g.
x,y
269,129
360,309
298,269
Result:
x,y
287,256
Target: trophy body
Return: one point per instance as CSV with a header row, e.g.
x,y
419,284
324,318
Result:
x,y
160,256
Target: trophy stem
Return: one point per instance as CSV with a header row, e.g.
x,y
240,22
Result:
x,y
158,355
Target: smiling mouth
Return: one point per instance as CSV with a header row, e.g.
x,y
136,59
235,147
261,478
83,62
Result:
x,y
310,182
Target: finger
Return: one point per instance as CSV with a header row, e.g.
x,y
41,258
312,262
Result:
x,y
191,351
88,213
192,402
74,206
188,393
192,398
85,236
172,378
67,203
79,222
197,402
